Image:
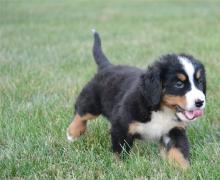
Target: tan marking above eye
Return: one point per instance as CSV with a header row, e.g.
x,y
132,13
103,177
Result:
x,y
198,74
171,100
181,77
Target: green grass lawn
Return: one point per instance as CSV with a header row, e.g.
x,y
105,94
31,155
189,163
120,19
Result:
x,y
45,59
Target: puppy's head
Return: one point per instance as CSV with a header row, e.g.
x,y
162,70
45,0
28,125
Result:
x,y
178,82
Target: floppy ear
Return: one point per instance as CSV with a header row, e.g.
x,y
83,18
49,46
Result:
x,y
152,87
204,80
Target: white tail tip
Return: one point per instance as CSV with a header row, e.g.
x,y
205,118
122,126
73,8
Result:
x,y
93,31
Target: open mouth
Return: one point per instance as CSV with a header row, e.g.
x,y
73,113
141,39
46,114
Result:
x,y
190,115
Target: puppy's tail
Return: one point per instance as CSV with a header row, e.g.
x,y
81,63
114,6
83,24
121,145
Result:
x,y
100,58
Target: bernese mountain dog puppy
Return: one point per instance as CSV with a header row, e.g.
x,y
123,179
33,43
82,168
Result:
x,y
153,104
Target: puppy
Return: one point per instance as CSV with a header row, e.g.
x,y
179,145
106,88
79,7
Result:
x,y
153,104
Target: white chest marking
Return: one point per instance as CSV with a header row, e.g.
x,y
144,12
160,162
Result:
x,y
161,123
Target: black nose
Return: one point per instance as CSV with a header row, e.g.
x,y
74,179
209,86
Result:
x,y
199,103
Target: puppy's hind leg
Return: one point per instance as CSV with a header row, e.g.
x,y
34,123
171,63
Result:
x,y
78,126
87,107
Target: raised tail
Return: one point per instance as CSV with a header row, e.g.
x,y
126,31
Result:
x,y
100,58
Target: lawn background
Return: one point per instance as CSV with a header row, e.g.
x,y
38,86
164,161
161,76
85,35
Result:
x,y
45,59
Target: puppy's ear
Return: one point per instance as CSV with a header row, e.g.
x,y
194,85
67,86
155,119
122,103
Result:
x,y
152,87
204,80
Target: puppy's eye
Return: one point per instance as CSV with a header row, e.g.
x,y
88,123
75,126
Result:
x,y
179,84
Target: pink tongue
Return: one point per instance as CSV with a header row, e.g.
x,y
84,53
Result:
x,y
193,114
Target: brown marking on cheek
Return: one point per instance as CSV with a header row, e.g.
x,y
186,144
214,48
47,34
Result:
x,y
171,101
132,129
176,157
198,74
181,77
78,125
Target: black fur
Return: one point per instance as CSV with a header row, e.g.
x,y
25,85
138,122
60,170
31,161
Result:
x,y
124,94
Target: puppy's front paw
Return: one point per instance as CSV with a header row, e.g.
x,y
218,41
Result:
x,y
176,158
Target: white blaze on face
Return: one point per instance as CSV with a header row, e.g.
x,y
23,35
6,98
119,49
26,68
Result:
x,y
194,93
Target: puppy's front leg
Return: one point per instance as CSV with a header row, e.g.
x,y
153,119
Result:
x,y
176,147
121,140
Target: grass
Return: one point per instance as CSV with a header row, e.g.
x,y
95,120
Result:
x,y
45,59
